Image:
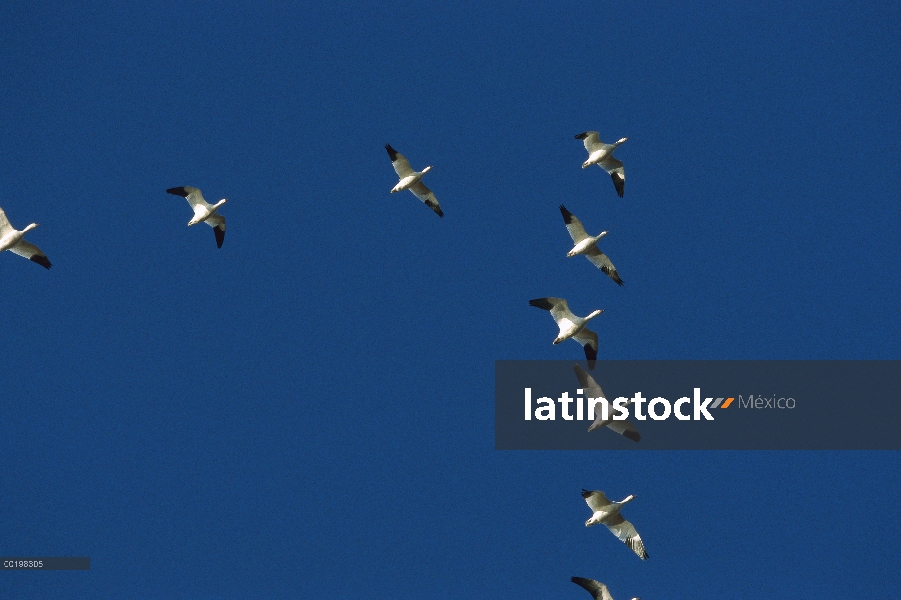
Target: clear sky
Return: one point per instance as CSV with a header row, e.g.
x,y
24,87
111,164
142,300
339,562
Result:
x,y
308,411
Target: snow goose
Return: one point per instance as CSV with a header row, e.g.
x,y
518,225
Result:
x,y
593,390
203,211
607,512
597,589
14,240
588,245
601,154
412,180
571,326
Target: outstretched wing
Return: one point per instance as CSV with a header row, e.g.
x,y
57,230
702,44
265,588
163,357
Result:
x,y
31,252
596,499
617,173
626,429
573,225
592,140
421,191
5,227
217,222
597,589
625,531
600,260
589,341
399,162
191,194
558,307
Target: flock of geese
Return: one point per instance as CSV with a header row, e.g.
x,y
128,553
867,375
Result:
x,y
603,511
571,326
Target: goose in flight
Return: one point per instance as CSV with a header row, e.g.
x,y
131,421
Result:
x,y
601,154
593,390
412,180
571,326
597,589
203,211
14,240
588,245
607,512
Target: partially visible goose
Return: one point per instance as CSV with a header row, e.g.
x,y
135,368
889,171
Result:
x,y
593,390
588,245
607,513
14,240
601,154
203,211
412,180
571,326
594,587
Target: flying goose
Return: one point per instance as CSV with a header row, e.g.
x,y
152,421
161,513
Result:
x,y
203,211
593,390
412,180
597,589
601,154
571,326
588,245
607,512
14,240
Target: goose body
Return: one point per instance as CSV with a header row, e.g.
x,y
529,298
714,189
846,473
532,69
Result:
x,y
608,513
14,240
593,390
571,326
587,245
601,154
204,212
412,180
594,587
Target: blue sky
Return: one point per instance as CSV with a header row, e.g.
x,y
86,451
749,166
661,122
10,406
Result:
x,y
308,411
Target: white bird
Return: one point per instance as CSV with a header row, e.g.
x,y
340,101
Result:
x,y
14,240
601,154
412,180
607,512
203,211
597,589
571,326
588,245
593,390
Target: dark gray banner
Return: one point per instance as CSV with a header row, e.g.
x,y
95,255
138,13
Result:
x,y
698,405
45,563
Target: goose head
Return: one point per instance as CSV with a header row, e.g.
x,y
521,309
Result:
x,y
29,228
621,140
220,203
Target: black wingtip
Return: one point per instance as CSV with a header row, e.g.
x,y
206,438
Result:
x,y
582,135
41,260
614,276
619,183
437,210
586,493
542,303
591,354
391,152
567,216
632,435
220,236
178,191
